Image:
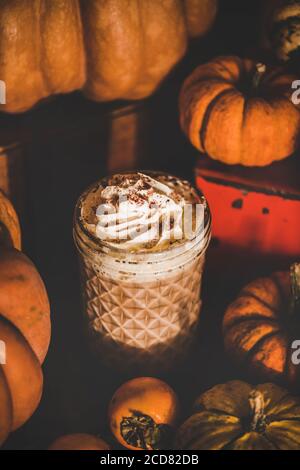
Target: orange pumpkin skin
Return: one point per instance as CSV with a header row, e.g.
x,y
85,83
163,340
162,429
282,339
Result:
x,y
200,16
10,231
258,329
24,335
79,442
234,121
24,301
22,372
6,411
144,396
110,48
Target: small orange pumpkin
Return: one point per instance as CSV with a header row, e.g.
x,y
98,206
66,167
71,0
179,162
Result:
x,y
79,442
261,325
236,112
142,412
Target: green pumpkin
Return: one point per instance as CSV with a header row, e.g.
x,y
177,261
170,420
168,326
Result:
x,y
238,416
281,29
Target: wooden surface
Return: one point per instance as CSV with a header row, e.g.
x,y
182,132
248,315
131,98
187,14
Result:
x,y
66,146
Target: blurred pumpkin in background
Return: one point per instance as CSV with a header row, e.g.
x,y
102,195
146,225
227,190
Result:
x,y
281,28
237,416
112,49
240,112
79,442
261,325
24,327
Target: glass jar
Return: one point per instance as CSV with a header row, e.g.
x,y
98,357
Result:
x,y
142,307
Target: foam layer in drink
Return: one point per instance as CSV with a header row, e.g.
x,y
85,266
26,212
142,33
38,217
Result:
x,y
142,212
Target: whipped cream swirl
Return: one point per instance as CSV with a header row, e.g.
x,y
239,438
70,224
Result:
x,y
140,212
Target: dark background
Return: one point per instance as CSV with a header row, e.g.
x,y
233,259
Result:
x,y
66,145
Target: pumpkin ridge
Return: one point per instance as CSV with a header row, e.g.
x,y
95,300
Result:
x,y
14,326
16,422
279,420
242,77
271,442
193,438
219,61
255,317
270,76
248,293
216,80
257,346
245,111
209,110
201,408
229,445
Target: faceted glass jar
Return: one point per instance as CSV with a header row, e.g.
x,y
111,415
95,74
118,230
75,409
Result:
x,y
142,307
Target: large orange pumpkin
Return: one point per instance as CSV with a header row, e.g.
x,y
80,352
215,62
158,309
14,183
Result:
x,y
239,112
111,48
24,336
261,325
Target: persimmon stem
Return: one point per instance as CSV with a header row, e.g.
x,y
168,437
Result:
x,y
257,405
295,288
141,431
258,74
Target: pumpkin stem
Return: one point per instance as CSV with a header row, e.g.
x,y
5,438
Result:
x,y
142,432
257,405
258,74
295,288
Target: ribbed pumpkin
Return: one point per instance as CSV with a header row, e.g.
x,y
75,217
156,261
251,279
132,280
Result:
x,y
239,112
281,28
24,335
237,416
261,325
10,232
113,49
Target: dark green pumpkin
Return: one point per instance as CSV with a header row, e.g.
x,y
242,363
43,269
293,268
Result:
x,y
238,416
